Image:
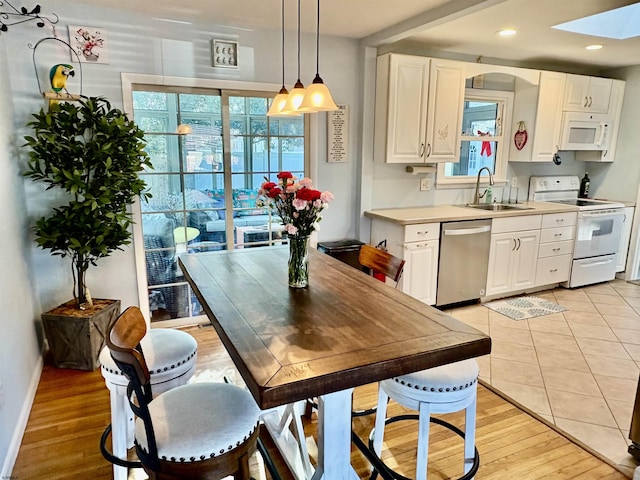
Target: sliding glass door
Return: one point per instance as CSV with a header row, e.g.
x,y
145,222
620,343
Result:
x,y
211,150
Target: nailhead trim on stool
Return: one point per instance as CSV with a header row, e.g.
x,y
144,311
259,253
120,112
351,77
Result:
x,y
164,350
444,389
190,437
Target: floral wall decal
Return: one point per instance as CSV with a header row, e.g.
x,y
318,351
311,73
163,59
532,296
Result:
x,y
443,134
90,43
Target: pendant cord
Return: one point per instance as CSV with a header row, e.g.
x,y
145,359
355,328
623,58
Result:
x,y
298,40
282,43
318,40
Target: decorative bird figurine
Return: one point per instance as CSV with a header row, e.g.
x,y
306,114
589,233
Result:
x,y
58,76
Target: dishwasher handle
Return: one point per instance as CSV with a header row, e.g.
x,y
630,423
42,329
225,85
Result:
x,y
467,231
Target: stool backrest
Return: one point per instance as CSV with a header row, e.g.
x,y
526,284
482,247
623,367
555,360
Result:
x,y
123,342
380,261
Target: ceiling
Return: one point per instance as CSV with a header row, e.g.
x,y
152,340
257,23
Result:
x,y
465,27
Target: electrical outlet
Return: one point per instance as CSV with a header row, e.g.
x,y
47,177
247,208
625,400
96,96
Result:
x,y
425,184
514,181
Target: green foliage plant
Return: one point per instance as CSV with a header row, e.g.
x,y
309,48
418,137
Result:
x,y
94,153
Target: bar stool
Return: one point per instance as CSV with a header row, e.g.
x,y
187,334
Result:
x,y
171,358
445,389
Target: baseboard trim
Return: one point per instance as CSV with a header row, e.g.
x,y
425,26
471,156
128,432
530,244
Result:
x,y
21,425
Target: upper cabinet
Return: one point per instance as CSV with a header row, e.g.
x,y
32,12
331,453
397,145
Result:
x,y
538,110
420,103
615,110
444,111
402,89
587,94
418,109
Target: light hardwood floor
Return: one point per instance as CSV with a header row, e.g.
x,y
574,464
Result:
x,y
71,409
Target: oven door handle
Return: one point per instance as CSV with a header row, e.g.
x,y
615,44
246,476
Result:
x,y
599,213
596,264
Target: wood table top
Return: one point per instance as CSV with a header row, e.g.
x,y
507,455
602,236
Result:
x,y
344,330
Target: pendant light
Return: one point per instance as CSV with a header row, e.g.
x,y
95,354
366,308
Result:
x,y
318,97
279,101
297,94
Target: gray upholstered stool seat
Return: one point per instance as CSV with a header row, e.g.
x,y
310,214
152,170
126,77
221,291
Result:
x,y
171,358
445,389
190,434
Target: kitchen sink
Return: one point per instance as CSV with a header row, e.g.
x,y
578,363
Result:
x,y
497,207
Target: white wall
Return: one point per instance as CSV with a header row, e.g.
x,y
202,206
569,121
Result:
x,y
20,355
620,179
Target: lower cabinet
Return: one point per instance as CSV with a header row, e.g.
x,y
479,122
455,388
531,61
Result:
x,y
526,251
513,254
556,248
420,275
512,261
418,245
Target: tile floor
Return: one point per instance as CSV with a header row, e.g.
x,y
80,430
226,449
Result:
x,y
577,369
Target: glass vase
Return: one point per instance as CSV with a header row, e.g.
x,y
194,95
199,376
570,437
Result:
x,y
298,261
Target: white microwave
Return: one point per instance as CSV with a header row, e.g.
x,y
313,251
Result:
x,y
585,131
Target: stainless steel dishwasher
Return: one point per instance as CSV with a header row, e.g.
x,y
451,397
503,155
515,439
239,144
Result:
x,y
464,260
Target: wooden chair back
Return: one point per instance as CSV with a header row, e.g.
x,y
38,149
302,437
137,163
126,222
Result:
x,y
124,339
123,342
380,261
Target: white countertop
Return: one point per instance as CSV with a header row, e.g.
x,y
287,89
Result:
x,y
453,213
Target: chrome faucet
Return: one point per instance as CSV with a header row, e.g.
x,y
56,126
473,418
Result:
x,y
477,196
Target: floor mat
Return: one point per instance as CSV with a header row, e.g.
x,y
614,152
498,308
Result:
x,y
521,308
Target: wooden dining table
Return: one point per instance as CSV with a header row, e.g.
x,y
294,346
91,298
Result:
x,y
344,330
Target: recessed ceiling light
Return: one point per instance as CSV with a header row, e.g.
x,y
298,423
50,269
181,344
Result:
x,y
594,47
507,32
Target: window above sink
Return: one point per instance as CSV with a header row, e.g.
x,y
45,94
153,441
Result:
x,y
484,141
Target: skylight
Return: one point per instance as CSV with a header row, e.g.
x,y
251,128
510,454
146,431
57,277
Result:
x,y
621,23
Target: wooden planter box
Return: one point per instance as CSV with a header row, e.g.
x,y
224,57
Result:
x,y
75,336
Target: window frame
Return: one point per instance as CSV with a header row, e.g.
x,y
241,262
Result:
x,y
502,148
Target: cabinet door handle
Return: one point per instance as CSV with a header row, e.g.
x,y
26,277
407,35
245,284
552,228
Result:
x,y
519,244
590,101
421,150
559,220
555,249
514,244
586,102
428,150
557,235
422,233
553,270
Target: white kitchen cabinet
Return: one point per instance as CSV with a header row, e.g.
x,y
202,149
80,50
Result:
x,y
540,108
615,110
418,245
420,277
556,248
587,94
418,110
444,111
625,238
513,254
402,89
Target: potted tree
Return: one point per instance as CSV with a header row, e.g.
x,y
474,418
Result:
x,y
94,153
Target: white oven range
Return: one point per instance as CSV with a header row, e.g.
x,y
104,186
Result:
x,y
598,230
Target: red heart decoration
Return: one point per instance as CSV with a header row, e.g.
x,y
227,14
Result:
x,y
520,139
